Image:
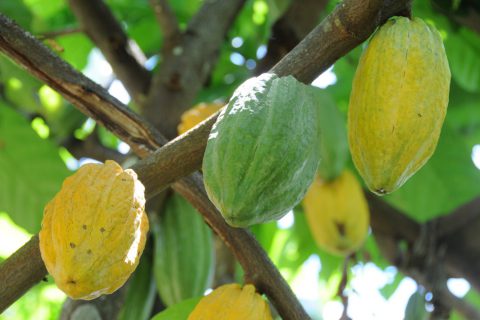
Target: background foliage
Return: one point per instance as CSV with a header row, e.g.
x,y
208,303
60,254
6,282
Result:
x,y
36,126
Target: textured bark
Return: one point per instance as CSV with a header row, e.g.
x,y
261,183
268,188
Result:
x,y
123,54
187,150
186,67
297,21
20,272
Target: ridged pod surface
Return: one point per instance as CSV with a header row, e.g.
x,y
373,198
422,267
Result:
x,y
337,214
232,302
260,156
398,103
333,137
197,114
183,261
94,230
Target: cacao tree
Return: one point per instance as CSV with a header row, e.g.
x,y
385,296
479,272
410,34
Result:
x,y
142,83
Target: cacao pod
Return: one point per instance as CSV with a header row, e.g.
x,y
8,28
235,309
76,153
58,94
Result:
x,y
94,230
398,103
333,142
260,156
183,261
337,213
232,302
197,114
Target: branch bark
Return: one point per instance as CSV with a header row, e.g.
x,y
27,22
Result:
x,y
186,67
297,21
247,251
168,22
186,149
123,54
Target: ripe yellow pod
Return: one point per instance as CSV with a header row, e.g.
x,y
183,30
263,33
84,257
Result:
x,y
337,214
232,302
398,103
197,114
94,229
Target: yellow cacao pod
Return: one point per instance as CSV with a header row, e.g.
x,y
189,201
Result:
x,y
232,302
398,103
197,114
94,229
337,213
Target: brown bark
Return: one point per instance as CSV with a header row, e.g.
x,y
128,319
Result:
x,y
123,54
188,64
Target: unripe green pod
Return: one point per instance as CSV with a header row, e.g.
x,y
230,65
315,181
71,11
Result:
x,y
183,261
261,154
333,137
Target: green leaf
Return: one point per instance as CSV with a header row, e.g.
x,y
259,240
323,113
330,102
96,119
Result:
x,y
389,289
141,291
18,11
415,309
179,311
31,170
45,9
20,88
76,48
448,180
463,50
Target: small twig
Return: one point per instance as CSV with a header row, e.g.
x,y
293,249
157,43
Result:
x,y
91,147
58,33
168,23
123,54
341,289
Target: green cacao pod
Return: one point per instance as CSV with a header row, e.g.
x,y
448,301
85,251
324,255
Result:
x,y
232,302
183,261
398,103
260,156
333,142
94,230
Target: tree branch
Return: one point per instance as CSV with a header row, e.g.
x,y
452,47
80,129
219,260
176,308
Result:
x,y
123,54
186,67
391,226
296,22
186,149
20,272
168,22
91,147
247,251
58,33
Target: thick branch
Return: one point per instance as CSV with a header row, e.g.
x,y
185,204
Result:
x,y
247,251
187,150
86,95
297,21
20,272
351,23
186,67
123,54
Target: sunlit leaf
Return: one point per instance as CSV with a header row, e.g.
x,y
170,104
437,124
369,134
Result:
x,y
179,311
448,180
31,171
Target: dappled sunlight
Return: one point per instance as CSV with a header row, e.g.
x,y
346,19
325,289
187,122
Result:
x,y
13,236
